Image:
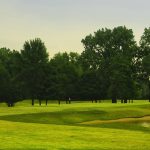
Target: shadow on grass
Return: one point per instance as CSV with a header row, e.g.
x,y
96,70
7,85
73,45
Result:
x,y
59,118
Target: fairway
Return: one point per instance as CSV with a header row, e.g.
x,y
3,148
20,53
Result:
x,y
76,126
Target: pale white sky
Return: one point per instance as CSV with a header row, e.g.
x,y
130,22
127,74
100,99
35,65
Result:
x,y
61,24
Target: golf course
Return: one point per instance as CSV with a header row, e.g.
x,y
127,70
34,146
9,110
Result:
x,y
74,75
75,126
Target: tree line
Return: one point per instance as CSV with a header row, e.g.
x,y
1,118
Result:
x,y
112,66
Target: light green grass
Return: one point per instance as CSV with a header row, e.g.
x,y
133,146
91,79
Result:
x,y
57,127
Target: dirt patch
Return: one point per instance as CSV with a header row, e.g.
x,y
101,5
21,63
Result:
x,y
95,122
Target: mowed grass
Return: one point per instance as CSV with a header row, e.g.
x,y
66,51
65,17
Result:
x,y
57,127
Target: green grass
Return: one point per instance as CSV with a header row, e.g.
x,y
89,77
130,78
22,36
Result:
x,y
58,127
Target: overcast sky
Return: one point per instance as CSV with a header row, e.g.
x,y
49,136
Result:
x,y
61,24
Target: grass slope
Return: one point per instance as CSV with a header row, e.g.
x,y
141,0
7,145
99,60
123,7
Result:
x,y
58,127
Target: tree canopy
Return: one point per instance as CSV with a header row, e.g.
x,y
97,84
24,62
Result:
x,y
111,66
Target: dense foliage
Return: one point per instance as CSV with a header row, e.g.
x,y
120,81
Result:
x,y
112,66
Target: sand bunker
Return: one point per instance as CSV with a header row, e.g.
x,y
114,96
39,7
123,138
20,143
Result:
x,y
144,119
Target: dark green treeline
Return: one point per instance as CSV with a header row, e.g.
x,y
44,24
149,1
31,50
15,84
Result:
x,y
112,66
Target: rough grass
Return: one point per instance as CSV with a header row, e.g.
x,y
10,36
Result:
x,y
58,127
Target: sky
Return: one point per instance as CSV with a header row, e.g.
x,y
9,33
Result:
x,y
62,24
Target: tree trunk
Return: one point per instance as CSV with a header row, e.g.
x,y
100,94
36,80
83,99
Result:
x,y
39,102
125,101
149,91
10,103
59,102
32,101
46,102
114,100
122,101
